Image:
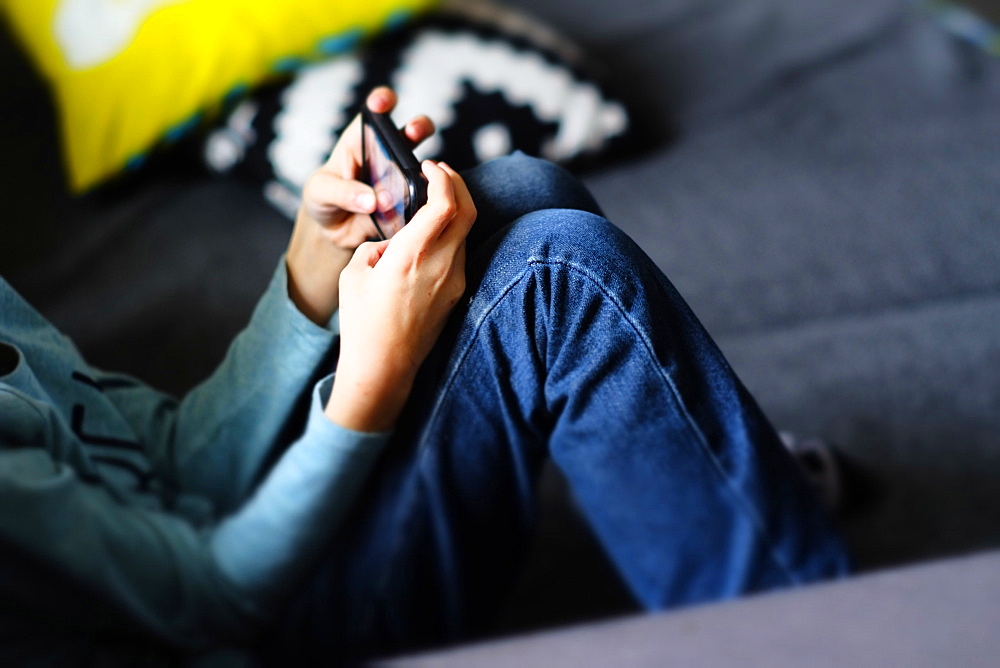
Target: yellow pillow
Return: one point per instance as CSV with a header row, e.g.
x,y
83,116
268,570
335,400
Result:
x,y
130,73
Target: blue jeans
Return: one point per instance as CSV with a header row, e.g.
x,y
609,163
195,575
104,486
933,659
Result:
x,y
572,345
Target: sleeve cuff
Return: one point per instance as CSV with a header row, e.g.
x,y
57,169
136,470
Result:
x,y
276,301
324,428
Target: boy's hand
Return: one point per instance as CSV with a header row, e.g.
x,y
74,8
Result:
x,y
395,299
334,217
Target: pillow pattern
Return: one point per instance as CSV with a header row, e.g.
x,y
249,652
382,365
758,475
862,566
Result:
x,y
127,74
493,81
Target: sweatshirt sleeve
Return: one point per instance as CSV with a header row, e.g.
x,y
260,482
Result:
x,y
215,441
292,514
74,553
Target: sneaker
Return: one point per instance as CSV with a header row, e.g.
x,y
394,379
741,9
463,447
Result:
x,y
821,466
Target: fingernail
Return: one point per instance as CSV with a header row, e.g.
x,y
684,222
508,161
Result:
x,y
366,201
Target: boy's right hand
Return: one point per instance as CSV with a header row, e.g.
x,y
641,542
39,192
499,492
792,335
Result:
x,y
395,300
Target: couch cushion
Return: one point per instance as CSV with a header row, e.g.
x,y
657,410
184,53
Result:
x,y
911,396
870,183
696,60
940,614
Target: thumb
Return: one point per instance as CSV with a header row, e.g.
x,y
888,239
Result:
x,y
329,191
369,253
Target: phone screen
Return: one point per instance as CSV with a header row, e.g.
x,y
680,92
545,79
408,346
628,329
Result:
x,y
391,191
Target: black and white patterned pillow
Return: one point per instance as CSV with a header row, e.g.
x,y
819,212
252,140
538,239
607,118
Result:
x,y
493,80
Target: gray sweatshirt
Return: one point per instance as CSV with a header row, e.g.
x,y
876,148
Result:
x,y
122,508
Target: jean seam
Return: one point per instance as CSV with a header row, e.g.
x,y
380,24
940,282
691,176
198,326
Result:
x,y
738,496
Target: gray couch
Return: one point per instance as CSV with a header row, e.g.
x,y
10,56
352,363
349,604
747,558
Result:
x,y
824,190
942,614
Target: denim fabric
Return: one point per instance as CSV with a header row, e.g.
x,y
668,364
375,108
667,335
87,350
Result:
x,y
572,345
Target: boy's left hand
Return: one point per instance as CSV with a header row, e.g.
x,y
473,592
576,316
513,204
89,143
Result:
x,y
334,218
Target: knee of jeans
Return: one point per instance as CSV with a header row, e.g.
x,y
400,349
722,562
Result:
x,y
565,233
566,246
522,164
533,169
536,183
572,254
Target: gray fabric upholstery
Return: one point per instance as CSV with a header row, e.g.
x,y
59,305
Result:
x,y
863,186
944,614
698,61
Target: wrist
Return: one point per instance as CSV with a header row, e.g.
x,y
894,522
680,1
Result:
x,y
313,266
367,405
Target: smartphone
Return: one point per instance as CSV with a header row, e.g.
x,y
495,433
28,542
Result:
x,y
389,166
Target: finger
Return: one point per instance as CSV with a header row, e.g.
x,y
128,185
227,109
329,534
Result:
x,y
345,159
368,254
381,100
434,217
329,192
418,129
462,195
466,212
